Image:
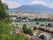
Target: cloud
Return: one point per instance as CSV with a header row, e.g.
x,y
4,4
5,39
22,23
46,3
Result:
x,y
4,1
18,3
11,4
50,5
42,2
37,2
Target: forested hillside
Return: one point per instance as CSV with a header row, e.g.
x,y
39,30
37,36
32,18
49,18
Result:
x,y
5,27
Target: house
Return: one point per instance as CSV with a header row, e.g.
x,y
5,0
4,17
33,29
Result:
x,y
35,38
18,30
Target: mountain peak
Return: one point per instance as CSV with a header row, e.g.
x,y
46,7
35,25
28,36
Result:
x,y
33,8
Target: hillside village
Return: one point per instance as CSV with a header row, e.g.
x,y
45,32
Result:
x,y
38,28
24,20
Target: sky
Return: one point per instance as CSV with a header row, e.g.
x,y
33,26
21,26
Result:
x,y
18,3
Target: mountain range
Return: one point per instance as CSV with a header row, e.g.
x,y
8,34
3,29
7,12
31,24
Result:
x,y
33,8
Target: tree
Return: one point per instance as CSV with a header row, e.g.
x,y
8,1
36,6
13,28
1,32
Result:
x,y
41,36
26,30
3,22
34,28
29,31
3,13
37,23
42,24
4,26
49,25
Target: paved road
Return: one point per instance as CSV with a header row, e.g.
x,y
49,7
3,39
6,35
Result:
x,y
32,22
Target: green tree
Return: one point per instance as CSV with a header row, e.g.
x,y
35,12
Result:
x,y
34,28
42,24
49,25
41,36
26,30
3,8
4,17
37,23
4,25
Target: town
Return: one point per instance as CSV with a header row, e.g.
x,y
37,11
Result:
x,y
26,19
40,25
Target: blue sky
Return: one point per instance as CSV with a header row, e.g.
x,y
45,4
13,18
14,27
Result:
x,y
18,3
